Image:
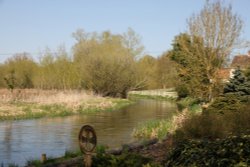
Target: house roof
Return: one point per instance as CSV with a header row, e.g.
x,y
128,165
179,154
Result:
x,y
224,73
242,61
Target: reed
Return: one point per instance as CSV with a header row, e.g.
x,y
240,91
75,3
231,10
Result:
x,y
34,103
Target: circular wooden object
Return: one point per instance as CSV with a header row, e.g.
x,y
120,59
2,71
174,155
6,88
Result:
x,y
87,139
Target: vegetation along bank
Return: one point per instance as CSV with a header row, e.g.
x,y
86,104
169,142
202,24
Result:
x,y
34,103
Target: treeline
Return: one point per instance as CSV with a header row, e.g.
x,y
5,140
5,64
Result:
x,y
112,64
108,64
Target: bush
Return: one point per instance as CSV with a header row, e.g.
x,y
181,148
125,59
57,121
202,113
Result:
x,y
211,125
201,126
182,91
187,102
232,151
124,160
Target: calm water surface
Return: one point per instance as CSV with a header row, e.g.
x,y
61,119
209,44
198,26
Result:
x,y
28,139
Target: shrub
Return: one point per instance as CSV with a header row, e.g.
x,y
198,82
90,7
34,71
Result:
x,y
182,91
187,102
124,160
232,151
211,125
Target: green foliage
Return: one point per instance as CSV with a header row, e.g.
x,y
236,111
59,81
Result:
x,y
187,102
238,84
146,67
236,94
182,91
166,74
231,151
10,80
70,154
153,129
106,63
19,71
210,125
196,67
228,114
200,127
57,71
124,160
247,73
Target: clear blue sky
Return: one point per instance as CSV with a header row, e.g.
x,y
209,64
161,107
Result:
x,y
33,25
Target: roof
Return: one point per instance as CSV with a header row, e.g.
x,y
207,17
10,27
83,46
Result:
x,y
242,61
225,73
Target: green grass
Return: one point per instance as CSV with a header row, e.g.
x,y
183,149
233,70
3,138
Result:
x,y
160,128
153,129
189,103
53,160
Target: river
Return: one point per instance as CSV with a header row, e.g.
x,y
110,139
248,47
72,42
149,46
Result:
x,y
27,139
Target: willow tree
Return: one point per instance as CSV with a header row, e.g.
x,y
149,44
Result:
x,y
146,66
106,62
19,71
56,71
166,74
219,27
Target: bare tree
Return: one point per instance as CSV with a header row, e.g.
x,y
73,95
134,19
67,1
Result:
x,y
219,27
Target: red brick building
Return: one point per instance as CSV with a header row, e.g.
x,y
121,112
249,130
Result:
x,y
242,61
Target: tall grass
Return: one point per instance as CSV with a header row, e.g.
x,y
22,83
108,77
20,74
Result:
x,y
69,97
34,103
160,128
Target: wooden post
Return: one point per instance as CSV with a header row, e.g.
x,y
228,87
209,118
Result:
x,y
87,159
43,158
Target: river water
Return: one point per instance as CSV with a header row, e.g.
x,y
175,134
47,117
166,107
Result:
x,y
27,139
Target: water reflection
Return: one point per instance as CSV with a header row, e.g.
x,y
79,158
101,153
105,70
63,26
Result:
x,y
24,140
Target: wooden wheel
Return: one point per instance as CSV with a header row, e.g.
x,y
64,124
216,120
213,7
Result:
x,y
87,139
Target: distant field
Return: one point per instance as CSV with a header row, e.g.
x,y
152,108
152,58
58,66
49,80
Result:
x,y
34,103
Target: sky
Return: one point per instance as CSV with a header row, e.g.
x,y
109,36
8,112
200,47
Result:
x,y
34,25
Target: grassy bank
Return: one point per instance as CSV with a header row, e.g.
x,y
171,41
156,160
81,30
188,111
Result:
x,y
160,128
101,158
26,104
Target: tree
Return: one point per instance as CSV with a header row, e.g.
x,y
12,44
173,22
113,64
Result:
x,y
57,71
236,95
247,73
238,85
106,62
10,80
166,74
146,67
2,74
219,27
20,71
196,67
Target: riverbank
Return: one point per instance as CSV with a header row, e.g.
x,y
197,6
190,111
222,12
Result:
x,y
33,103
187,107
150,153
